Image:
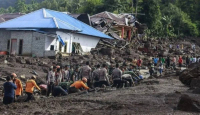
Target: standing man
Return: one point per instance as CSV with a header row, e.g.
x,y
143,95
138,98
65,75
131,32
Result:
x,y
103,76
117,76
168,61
30,84
86,72
75,75
18,83
187,61
139,63
174,62
95,76
180,61
51,80
9,91
155,60
66,73
135,62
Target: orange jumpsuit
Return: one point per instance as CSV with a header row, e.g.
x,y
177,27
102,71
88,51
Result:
x,y
30,84
79,84
19,89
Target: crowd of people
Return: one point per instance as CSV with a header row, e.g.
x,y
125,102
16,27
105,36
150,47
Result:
x,y
61,81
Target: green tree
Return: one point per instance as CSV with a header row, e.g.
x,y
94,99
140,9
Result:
x,y
20,6
152,16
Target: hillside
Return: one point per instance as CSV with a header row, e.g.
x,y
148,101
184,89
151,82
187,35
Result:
x,y
7,3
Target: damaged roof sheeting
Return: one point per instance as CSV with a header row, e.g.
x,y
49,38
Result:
x,y
120,19
49,19
106,21
6,17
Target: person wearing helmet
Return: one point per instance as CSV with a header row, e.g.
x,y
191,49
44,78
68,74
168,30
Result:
x,y
30,84
76,86
18,83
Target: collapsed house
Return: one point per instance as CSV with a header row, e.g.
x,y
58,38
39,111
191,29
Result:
x,y
6,17
44,33
119,26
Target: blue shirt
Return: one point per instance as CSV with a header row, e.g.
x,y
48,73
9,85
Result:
x,y
9,89
155,60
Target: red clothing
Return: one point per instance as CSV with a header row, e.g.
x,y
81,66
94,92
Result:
x,y
180,60
139,62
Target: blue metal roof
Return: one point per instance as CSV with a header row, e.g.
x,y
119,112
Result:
x,y
44,18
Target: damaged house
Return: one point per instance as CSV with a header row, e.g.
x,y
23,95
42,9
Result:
x,y
119,26
46,32
6,17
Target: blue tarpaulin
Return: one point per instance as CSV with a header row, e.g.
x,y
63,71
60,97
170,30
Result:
x,y
60,40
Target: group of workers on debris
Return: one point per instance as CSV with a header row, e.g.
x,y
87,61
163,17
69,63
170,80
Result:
x,y
63,81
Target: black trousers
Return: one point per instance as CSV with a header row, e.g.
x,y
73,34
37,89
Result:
x,y
89,84
103,83
50,88
29,97
73,90
117,83
96,84
8,100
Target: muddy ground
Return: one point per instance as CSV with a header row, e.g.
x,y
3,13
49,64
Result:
x,y
154,96
157,96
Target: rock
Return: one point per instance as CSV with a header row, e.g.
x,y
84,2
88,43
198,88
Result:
x,y
107,51
21,60
195,83
188,103
196,91
187,75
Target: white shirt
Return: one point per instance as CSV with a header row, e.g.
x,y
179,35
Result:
x,y
194,60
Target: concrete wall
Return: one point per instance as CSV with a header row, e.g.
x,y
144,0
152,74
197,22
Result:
x,y
4,37
34,43
26,36
38,44
86,42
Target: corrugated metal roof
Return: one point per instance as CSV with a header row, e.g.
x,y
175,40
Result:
x,y
44,19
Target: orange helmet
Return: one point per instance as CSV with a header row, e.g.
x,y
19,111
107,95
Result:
x,y
14,74
84,79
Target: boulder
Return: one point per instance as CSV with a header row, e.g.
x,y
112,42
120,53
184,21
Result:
x,y
107,51
187,103
195,83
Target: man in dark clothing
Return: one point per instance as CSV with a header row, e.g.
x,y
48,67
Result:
x,y
187,61
117,76
168,61
103,76
9,91
59,91
95,76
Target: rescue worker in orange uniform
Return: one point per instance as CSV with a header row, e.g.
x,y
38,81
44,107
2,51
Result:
x,y
76,86
30,85
18,83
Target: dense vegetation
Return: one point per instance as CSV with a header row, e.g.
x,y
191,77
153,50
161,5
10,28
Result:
x,y
165,18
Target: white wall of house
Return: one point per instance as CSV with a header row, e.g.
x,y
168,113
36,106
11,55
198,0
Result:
x,y
86,42
4,37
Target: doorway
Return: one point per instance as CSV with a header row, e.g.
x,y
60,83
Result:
x,y
20,47
13,46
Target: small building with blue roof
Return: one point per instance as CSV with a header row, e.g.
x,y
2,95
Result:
x,y
46,32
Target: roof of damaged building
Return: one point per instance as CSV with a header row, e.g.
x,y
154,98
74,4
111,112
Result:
x,y
6,17
49,19
119,19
